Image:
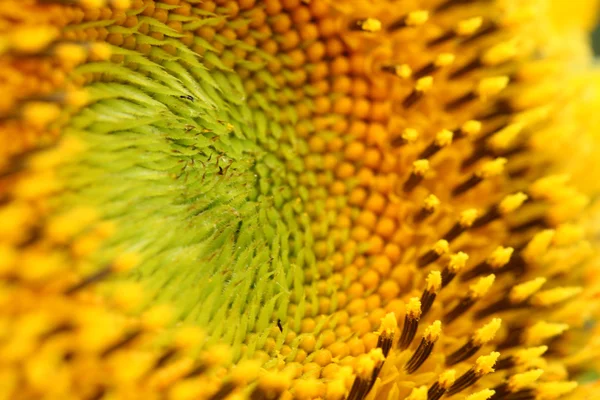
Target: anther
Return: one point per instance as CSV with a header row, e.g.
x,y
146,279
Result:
x,y
387,330
401,71
482,336
441,61
441,386
366,25
464,28
509,204
415,18
457,262
434,284
411,323
487,87
476,291
442,139
422,86
430,336
419,169
483,366
408,136
430,205
516,298
498,259
439,248
488,170
521,357
465,221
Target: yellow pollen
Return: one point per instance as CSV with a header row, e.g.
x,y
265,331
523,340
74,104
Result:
x,y
531,353
433,331
492,168
506,137
523,291
389,324
458,261
434,281
482,286
525,379
371,25
420,167
467,217
487,332
468,26
40,114
500,53
485,364
100,51
443,247
542,331
567,234
548,186
556,295
413,308
31,39
538,245
471,128
447,378
484,394
403,71
411,135
71,53
417,18
512,202
444,138
424,84
431,203
489,87
444,59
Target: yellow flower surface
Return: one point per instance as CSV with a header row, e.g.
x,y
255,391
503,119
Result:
x,y
299,199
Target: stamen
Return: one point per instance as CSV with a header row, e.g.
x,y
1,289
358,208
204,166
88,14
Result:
x,y
465,221
420,168
408,136
434,284
441,386
509,204
411,322
419,393
439,248
543,331
430,336
476,291
442,139
387,330
487,87
123,263
469,129
521,357
401,71
485,394
415,18
441,61
457,262
483,366
464,28
554,296
516,298
482,336
422,86
488,170
367,25
430,205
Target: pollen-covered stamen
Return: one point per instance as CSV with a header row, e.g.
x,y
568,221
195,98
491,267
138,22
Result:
x,y
441,386
430,205
400,70
554,296
422,86
483,366
440,248
504,139
554,390
495,261
434,284
542,331
464,28
442,139
465,221
509,204
497,142
456,263
516,298
441,61
411,323
488,170
538,246
430,336
521,357
476,291
487,88
408,136
516,383
469,129
387,331
412,19
485,394
419,169
367,367
482,336
496,55
366,25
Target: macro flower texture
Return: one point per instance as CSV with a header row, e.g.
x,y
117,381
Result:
x,y
299,199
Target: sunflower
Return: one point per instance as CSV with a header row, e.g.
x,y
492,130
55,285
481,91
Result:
x,y
298,199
